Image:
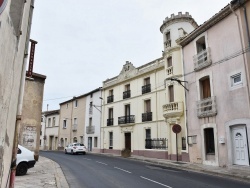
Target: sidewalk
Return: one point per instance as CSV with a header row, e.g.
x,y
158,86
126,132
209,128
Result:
x,y
46,173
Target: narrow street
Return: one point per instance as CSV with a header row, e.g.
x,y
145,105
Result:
x,y
93,170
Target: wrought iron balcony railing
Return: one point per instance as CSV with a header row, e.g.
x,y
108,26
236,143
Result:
x,y
126,94
90,129
110,121
110,99
202,59
146,88
206,107
156,143
126,119
147,116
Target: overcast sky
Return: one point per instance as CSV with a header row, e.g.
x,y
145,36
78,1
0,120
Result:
x,y
83,42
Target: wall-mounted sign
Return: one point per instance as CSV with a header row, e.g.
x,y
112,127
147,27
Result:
x,y
3,4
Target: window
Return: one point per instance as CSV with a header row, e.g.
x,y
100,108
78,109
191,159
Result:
x,y
236,80
148,139
169,61
171,93
147,106
41,132
81,139
75,121
91,95
76,103
126,93
110,92
40,142
110,140
90,108
75,139
205,88
127,110
54,121
42,119
49,122
95,142
168,40
64,124
110,120
201,44
90,121
209,140
146,88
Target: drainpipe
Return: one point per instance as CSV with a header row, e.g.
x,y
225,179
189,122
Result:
x,y
244,59
20,99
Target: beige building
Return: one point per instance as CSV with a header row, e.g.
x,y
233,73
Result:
x,y
72,121
173,29
30,126
132,113
15,25
51,129
216,66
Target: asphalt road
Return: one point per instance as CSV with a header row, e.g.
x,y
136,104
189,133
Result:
x,y
100,171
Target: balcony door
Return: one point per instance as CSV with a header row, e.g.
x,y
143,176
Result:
x,y
205,88
127,113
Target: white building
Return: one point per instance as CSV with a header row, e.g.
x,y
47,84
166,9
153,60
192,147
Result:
x,y
132,113
92,137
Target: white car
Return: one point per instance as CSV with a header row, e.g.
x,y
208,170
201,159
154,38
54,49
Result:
x,y
75,148
25,160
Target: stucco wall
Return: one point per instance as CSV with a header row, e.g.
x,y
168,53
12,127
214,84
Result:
x,y
231,103
11,62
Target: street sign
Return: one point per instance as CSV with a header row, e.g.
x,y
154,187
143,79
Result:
x,y
176,128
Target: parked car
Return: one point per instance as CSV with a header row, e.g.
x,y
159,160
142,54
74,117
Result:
x,y
75,148
25,160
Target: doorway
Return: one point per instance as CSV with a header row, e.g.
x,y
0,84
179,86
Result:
x,y
240,145
128,141
89,143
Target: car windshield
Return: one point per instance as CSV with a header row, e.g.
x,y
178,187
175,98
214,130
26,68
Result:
x,y
78,144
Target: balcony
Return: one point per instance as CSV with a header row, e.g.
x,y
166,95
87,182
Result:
x,y
156,143
173,109
126,94
146,88
74,127
202,59
169,71
90,129
126,119
206,107
147,116
110,121
167,44
110,99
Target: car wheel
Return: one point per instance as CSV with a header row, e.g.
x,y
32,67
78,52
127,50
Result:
x,y
21,169
65,151
84,153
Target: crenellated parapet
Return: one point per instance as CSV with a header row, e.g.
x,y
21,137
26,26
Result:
x,y
180,17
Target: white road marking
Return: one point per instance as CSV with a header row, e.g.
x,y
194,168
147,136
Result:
x,y
122,169
101,163
87,159
155,182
